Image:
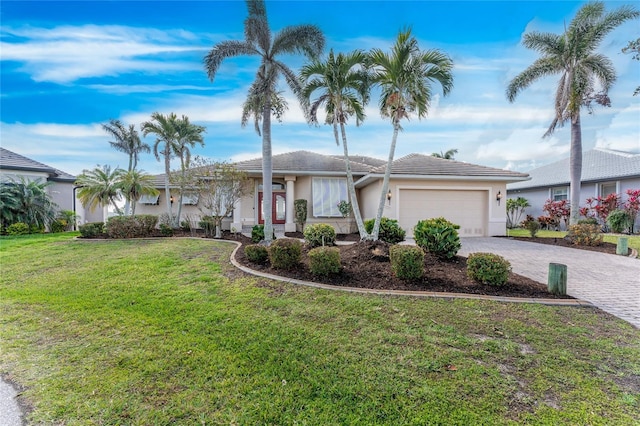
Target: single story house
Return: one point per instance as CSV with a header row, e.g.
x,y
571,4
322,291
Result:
x,y
421,187
604,171
62,190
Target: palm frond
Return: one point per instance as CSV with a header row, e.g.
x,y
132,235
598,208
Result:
x,y
306,39
224,50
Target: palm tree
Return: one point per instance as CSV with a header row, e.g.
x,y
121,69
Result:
x,y
166,144
306,39
341,84
26,201
187,136
582,71
449,155
100,187
134,184
405,77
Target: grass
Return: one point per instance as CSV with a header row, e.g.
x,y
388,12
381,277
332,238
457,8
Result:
x,y
167,332
633,240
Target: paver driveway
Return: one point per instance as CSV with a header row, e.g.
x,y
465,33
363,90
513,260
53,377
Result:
x,y
610,282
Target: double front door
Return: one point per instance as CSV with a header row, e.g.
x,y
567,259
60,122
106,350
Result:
x,y
277,207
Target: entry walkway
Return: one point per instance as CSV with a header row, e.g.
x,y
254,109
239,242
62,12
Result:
x,y
610,282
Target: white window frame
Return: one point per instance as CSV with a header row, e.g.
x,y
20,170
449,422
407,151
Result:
x,y
559,193
605,184
327,193
152,200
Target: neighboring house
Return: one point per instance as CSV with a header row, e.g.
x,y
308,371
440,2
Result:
x,y
14,166
421,187
604,171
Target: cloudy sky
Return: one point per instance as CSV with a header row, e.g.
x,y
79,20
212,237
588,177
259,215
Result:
x,y
67,67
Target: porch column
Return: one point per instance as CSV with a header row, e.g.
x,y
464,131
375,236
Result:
x,y
289,225
237,216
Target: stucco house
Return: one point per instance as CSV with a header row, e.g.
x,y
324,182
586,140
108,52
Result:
x,y
13,166
421,187
604,171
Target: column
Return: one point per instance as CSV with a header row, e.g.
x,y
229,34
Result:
x,y
289,225
237,216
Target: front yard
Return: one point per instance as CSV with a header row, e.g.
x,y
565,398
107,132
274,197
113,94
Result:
x,y
167,332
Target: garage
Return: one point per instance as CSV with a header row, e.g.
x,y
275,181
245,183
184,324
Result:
x,y
467,208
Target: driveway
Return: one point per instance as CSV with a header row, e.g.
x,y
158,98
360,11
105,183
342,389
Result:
x,y
610,282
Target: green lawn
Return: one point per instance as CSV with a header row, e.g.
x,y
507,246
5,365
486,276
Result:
x,y
634,240
167,332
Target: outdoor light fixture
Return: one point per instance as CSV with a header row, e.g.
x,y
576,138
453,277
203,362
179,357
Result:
x,y
498,197
171,199
389,197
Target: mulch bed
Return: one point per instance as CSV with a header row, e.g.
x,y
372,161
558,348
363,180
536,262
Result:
x,y
609,248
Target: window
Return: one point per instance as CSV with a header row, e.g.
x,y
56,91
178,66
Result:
x,y
149,199
607,189
190,199
558,194
327,193
274,185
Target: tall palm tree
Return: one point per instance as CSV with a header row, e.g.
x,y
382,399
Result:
x,y
404,76
99,187
583,71
127,140
259,41
134,184
166,144
187,136
341,84
449,155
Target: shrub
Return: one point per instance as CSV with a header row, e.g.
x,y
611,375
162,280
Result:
x,y
438,236
407,262
324,261
588,221
91,229
585,235
147,223
390,231
257,234
131,226
320,234
58,225
185,225
166,219
256,253
300,208
166,230
619,221
533,226
18,228
285,253
488,268
208,224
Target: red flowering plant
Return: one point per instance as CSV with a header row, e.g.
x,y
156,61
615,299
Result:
x,y
632,205
557,211
601,207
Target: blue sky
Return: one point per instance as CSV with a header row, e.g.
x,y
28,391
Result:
x,y
67,67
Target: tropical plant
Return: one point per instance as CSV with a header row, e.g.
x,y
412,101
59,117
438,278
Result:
x,y
449,155
573,55
187,136
100,187
340,84
515,210
306,39
558,211
619,221
134,184
26,201
405,76
632,205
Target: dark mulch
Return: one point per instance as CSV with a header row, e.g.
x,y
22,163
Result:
x,y
366,265
561,242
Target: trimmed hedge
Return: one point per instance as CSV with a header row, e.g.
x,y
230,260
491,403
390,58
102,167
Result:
x,y
438,236
324,261
257,234
390,232
488,268
320,234
138,226
256,253
91,229
285,253
407,262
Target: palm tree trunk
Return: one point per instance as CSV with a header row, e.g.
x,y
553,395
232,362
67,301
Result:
x,y
267,173
350,185
167,170
385,182
182,177
575,169
127,202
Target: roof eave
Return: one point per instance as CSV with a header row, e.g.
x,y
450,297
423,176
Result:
x,y
366,180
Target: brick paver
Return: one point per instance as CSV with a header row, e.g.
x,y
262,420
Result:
x,y
610,282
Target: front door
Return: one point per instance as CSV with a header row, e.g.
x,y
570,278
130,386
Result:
x,y
277,208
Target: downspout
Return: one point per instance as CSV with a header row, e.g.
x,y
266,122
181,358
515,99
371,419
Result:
x,y
75,216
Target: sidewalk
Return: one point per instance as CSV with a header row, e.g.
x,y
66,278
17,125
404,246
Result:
x,y
10,413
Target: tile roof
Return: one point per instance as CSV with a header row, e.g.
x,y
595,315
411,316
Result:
x,y
598,164
304,162
9,160
371,161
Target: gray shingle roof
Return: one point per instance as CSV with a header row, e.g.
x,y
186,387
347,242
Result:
x,y
598,164
9,160
370,161
304,162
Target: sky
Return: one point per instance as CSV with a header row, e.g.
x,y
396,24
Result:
x,y
68,67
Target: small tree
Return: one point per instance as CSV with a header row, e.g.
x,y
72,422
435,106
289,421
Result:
x,y
219,186
515,210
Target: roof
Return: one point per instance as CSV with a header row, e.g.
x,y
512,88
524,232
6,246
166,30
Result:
x,y
9,160
598,164
370,161
304,163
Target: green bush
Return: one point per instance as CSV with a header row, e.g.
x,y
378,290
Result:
x,y
58,225
390,231
585,235
208,224
619,221
166,230
438,236
300,209
588,221
257,234
488,268
533,226
18,228
131,226
256,253
91,230
407,262
285,253
320,234
324,261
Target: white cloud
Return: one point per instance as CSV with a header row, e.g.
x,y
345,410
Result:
x,y
123,89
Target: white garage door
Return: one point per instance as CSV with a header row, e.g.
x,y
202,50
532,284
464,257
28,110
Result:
x,y
465,208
